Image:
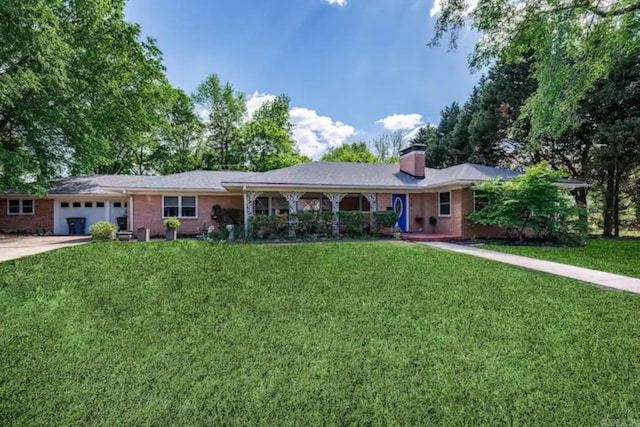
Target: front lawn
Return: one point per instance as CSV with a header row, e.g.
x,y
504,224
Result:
x,y
182,333
610,255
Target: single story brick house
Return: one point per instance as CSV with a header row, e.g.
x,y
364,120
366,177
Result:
x,y
409,188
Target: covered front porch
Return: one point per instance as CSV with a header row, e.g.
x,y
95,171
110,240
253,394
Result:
x,y
291,208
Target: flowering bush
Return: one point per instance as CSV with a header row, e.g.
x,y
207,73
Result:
x,y
171,223
103,231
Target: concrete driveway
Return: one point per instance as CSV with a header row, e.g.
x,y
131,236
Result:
x,y
12,247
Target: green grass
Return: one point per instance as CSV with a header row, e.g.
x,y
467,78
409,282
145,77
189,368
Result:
x,y
182,333
610,255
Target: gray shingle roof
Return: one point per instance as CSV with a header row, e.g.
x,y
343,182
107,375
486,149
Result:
x,y
93,184
328,174
334,174
316,174
195,180
113,184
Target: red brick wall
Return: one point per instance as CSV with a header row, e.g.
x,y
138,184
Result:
x,y
384,201
147,213
416,207
470,231
42,219
451,225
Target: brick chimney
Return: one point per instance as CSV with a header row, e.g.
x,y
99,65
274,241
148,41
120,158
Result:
x,y
412,160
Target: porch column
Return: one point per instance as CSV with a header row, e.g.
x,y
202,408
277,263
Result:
x,y
373,207
249,208
335,207
293,199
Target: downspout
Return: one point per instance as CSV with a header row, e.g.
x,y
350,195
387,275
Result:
x,y
246,212
131,210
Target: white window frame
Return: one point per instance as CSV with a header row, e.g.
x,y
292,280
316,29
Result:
x,y
179,207
440,204
21,207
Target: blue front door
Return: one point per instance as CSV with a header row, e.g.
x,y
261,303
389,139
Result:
x,y
399,203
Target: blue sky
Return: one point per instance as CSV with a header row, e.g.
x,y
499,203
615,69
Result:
x,y
353,68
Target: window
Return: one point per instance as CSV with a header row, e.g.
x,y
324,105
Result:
x,y
188,209
180,206
77,204
171,206
20,207
99,204
117,204
478,202
64,204
261,206
445,204
88,204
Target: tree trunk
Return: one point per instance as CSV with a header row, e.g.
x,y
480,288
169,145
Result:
x,y
616,203
607,213
524,224
580,197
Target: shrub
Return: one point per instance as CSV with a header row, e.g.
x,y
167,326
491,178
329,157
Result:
x,y
103,231
171,223
531,202
268,226
355,222
312,223
217,236
385,219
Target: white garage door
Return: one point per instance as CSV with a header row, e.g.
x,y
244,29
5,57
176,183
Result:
x,y
93,211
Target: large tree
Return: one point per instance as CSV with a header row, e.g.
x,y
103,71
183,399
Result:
x,y
225,110
180,136
76,89
387,146
357,152
572,44
266,138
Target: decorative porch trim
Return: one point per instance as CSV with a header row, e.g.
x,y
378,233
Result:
x,y
293,199
335,198
252,196
373,207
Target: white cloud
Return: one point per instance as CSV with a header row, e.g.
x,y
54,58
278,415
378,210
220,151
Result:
x,y
437,7
257,100
401,121
315,134
338,2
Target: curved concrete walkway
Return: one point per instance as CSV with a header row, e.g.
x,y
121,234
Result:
x,y
13,247
599,278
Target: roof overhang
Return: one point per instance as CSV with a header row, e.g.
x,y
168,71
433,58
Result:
x,y
315,188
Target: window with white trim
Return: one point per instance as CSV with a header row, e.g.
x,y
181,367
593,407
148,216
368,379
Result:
x,y
180,206
478,202
21,207
444,204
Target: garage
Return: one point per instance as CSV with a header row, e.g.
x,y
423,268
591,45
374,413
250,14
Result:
x,y
93,210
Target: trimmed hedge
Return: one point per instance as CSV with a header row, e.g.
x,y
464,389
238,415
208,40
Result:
x,y
318,224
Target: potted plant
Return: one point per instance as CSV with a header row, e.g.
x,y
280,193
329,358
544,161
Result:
x,y
419,220
171,225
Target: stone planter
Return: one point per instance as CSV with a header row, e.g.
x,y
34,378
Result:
x,y
143,234
124,236
172,234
